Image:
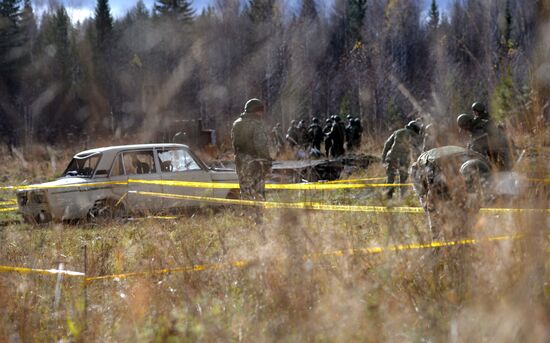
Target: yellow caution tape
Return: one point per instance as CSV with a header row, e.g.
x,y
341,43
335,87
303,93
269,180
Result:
x,y
22,270
414,246
9,209
8,202
293,186
289,205
244,263
540,180
337,253
91,184
357,180
220,185
318,206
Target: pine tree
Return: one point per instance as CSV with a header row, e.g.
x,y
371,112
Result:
x,y
433,21
61,27
10,15
181,10
103,25
355,17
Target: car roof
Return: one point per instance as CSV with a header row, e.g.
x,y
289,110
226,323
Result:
x,y
117,148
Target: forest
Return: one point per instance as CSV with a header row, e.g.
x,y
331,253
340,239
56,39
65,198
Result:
x,y
385,61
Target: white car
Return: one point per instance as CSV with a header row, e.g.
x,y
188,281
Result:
x,y
95,184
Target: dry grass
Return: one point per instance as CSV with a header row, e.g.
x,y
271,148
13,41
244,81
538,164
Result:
x,y
493,291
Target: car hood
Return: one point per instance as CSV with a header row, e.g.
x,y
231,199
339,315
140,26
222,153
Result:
x,y
60,183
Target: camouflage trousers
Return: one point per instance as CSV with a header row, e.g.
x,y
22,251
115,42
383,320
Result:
x,y
252,172
450,218
397,166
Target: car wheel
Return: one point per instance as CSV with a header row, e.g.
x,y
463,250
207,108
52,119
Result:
x,y
106,210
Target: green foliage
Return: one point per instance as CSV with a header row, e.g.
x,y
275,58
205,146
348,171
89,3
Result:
x,y
504,98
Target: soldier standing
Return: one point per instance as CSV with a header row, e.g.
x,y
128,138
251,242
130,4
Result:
x,y
303,140
251,151
350,132
292,134
328,140
315,134
487,139
337,135
397,151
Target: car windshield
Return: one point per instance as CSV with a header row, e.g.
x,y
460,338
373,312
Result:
x,y
82,167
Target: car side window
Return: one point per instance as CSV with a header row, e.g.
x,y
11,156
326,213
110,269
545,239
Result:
x,y
117,169
139,162
176,160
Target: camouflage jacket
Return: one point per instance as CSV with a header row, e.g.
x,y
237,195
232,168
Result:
x,y
249,137
400,144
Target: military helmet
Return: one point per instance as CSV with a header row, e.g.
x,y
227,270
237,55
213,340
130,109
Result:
x,y
479,107
475,173
315,120
464,121
292,122
357,120
254,105
349,117
337,119
328,120
414,126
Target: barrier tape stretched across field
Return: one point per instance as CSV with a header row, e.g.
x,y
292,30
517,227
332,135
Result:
x,y
24,270
245,263
222,185
328,185
8,202
305,205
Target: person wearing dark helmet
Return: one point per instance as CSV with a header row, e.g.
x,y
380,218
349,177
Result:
x,y
328,141
480,111
315,134
487,139
397,153
252,158
337,135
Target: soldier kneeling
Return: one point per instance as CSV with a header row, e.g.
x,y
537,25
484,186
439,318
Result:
x,y
449,182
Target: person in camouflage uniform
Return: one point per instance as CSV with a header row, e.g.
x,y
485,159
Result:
x,y
397,151
252,158
328,140
337,136
449,182
292,134
487,139
315,134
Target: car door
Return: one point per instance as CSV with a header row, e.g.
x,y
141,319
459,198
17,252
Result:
x,y
119,179
178,164
144,186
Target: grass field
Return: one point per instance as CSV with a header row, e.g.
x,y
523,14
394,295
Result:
x,y
299,283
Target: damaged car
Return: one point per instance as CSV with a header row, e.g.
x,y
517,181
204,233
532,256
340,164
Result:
x,y
113,182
